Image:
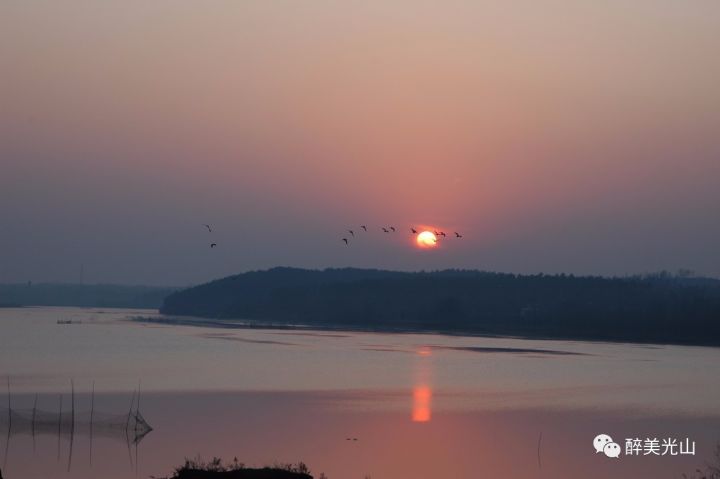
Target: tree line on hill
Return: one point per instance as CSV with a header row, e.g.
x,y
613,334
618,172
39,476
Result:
x,y
660,308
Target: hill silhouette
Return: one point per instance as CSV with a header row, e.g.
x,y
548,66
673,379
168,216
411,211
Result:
x,y
659,308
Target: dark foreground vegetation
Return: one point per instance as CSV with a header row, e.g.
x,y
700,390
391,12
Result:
x,y
89,295
216,469
711,469
660,308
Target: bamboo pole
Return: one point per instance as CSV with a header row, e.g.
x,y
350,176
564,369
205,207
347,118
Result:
x,y
59,427
9,406
72,423
127,423
137,410
72,414
33,420
92,413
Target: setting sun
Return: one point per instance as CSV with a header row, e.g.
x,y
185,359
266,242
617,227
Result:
x,y
426,239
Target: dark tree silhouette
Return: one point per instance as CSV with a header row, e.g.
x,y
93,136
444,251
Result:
x,y
660,308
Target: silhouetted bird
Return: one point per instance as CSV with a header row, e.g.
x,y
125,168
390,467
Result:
x,y
208,228
363,227
392,228
414,231
458,235
212,245
345,240
352,233
385,230
442,233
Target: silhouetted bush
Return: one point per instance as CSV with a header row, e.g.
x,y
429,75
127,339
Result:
x,y
216,469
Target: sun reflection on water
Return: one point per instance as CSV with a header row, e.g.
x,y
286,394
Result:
x,y
422,397
422,391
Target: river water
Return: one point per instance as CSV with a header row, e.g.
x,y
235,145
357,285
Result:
x,y
347,404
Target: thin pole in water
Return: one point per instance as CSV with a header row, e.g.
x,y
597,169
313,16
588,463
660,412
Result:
x,y
72,403
9,406
538,450
137,411
59,427
7,439
127,424
132,402
72,422
33,420
92,412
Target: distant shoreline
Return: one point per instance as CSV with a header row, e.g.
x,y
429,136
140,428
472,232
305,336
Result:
x,y
261,325
82,295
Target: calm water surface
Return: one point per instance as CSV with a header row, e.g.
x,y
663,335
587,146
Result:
x,y
420,406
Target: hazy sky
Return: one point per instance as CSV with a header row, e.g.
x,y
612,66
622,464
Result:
x,y
558,136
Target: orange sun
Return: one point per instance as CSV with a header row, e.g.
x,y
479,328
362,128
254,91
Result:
x,y
426,239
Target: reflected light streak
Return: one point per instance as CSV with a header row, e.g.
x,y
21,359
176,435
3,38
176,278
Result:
x,y
422,399
422,391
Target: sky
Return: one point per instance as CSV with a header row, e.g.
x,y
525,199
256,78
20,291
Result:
x,y
557,136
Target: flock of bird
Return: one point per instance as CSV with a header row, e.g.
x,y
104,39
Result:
x,y
392,229
385,229
209,228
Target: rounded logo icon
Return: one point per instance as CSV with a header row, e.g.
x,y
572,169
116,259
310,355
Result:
x,y
612,449
600,441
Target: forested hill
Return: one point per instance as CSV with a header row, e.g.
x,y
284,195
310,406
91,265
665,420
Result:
x,y
659,308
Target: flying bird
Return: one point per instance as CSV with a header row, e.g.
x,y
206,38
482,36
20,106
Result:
x,y
212,245
346,241
458,235
392,228
208,228
352,233
442,233
385,230
414,231
363,227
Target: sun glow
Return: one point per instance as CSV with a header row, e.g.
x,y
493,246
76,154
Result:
x,y
426,239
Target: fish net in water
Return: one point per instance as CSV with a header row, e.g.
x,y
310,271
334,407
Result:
x,y
130,426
